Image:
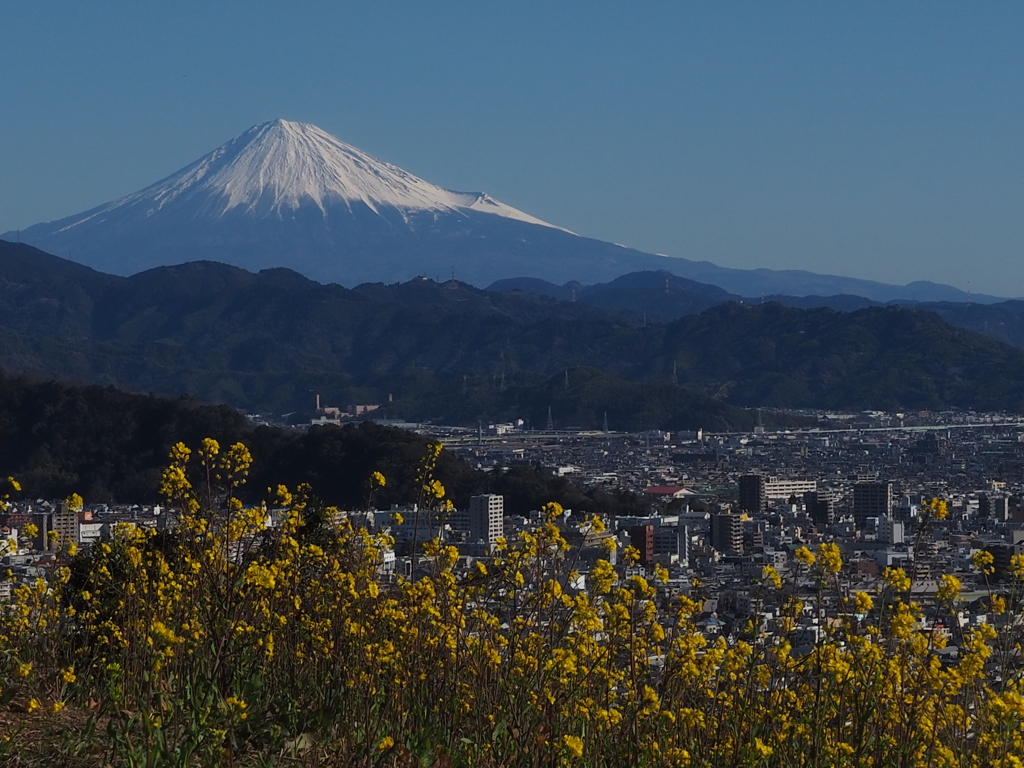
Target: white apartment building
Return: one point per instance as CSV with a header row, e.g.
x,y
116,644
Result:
x,y
486,517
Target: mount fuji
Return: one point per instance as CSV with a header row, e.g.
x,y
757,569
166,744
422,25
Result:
x,y
287,194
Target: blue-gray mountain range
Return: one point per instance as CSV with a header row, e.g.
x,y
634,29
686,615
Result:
x,y
287,194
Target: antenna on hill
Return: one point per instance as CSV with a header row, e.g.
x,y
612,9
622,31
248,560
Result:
x,y
606,422
762,297
566,378
453,273
675,377
502,372
666,283
551,423
968,293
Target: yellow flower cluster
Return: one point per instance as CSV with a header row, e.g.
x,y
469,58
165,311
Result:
x,y
225,640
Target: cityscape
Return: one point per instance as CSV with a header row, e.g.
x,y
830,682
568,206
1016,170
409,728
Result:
x,y
530,385
722,509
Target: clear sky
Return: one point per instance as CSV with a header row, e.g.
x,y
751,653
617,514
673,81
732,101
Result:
x,y
879,140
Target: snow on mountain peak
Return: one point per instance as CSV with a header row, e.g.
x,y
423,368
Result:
x,y
281,165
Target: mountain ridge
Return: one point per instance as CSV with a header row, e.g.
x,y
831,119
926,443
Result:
x,y
449,351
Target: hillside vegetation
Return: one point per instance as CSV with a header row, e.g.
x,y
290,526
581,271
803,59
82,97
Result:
x,y
111,446
448,351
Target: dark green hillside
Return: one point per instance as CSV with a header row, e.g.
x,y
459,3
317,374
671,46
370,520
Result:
x,y
885,357
105,444
109,445
451,352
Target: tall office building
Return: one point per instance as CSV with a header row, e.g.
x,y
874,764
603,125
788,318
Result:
x,y
820,505
642,537
753,493
993,507
871,500
727,532
66,523
890,531
486,517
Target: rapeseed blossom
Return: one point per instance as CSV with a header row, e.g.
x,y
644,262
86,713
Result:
x,y
228,640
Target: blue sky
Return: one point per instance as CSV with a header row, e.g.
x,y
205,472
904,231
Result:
x,y
878,140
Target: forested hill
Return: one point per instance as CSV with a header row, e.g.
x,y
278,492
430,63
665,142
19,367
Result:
x,y
448,351
108,445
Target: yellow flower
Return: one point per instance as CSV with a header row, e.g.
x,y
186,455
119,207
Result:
x,y
210,448
936,509
949,589
68,675
831,561
284,498
552,511
1017,566
897,579
386,743
983,560
804,556
862,602
377,480
237,707
630,555
24,670
57,706
260,576
677,756
997,605
763,750
771,576
574,744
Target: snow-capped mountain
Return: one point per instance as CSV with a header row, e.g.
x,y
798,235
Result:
x,y
289,194
278,167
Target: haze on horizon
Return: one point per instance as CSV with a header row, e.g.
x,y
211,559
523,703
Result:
x,y
874,141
